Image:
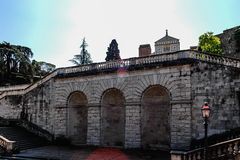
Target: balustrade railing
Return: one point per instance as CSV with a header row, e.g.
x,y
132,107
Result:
x,y
188,54
6,144
224,150
133,62
13,87
29,88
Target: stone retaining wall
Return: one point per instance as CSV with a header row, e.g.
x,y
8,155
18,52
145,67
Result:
x,y
219,86
188,86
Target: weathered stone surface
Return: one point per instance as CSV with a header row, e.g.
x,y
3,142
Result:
x,y
219,86
93,134
155,118
132,127
180,125
174,117
228,42
49,105
10,107
112,118
77,118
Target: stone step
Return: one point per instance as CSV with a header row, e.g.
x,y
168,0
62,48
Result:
x,y
23,138
22,158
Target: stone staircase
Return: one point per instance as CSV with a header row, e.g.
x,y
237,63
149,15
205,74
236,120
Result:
x,y
23,139
224,146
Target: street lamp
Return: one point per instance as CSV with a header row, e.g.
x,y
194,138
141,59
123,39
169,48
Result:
x,y
205,113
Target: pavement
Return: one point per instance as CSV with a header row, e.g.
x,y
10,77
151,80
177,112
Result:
x,y
91,153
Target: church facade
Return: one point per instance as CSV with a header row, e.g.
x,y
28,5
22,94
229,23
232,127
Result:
x,y
167,44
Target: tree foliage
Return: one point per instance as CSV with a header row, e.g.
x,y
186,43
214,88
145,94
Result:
x,y
84,57
16,66
42,68
210,43
113,51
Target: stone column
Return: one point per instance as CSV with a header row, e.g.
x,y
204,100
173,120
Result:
x,y
132,126
94,121
180,125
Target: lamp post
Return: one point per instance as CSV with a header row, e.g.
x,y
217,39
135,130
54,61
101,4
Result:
x,y
205,114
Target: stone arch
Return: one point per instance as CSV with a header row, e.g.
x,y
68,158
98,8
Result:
x,y
169,83
112,118
108,83
155,125
63,91
77,112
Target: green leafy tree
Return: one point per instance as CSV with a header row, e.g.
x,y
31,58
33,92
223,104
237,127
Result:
x,y
36,68
210,43
15,63
84,57
46,68
42,68
16,66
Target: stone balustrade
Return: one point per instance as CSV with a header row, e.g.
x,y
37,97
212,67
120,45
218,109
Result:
x,y
13,87
131,62
30,87
226,150
6,144
188,54
226,61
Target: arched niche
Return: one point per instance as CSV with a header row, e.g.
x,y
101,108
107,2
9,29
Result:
x,y
77,118
155,109
112,118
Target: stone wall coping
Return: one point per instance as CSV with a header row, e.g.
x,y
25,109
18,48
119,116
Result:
x,y
133,62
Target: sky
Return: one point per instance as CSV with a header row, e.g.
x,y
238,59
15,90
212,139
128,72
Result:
x,y
54,29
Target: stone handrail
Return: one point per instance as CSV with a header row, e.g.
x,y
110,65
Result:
x,y
132,62
6,144
13,87
225,150
30,87
33,128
